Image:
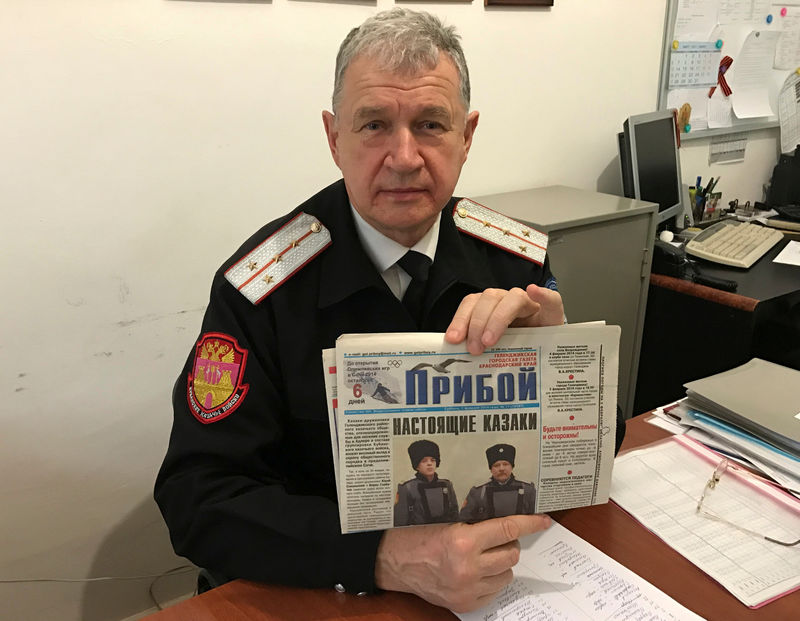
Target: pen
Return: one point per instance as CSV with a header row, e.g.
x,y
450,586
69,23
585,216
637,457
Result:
x,y
712,185
709,186
697,185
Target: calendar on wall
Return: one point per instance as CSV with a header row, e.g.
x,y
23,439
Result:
x,y
693,64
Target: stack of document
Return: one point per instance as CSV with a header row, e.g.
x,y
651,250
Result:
x,y
751,412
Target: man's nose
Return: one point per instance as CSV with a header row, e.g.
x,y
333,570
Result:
x,y
404,155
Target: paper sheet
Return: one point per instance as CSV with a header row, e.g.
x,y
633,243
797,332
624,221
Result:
x,y
660,486
790,255
789,113
749,76
735,11
720,110
695,19
697,98
563,578
787,54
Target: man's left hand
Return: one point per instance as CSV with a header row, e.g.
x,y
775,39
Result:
x,y
482,318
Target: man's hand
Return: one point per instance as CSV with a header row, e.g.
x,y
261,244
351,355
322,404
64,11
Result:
x,y
482,318
458,566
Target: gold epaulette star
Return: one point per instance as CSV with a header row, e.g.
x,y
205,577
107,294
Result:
x,y
523,249
268,279
295,243
252,266
526,232
277,258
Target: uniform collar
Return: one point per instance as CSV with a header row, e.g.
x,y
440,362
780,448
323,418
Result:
x,y
346,268
385,252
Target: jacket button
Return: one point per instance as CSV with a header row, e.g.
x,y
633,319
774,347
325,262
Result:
x,y
339,587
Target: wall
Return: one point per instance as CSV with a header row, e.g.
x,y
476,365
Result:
x,y
141,143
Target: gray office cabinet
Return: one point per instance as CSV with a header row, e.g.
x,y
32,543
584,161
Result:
x,y
600,249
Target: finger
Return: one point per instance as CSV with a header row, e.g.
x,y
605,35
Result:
x,y
497,531
457,330
552,306
515,304
490,585
483,592
482,311
499,558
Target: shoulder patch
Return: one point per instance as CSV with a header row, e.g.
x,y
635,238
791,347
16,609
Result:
x,y
278,257
499,230
214,387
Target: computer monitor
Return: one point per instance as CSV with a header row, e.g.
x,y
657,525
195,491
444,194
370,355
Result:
x,y
650,163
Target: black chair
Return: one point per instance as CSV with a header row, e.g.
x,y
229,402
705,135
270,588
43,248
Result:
x,y
207,580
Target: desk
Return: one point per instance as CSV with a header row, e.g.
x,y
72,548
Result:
x,y
692,331
607,527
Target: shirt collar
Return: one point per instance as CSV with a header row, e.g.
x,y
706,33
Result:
x,y
385,252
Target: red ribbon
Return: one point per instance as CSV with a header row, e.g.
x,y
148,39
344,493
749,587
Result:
x,y
724,65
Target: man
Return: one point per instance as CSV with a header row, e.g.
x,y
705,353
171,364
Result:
x,y
425,499
247,486
503,494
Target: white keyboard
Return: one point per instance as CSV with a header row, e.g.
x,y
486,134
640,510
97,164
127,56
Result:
x,y
735,243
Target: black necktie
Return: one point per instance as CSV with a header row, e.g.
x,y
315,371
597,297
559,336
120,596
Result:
x,y
416,265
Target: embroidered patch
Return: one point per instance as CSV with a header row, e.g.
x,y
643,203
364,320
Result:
x,y
493,227
551,283
215,387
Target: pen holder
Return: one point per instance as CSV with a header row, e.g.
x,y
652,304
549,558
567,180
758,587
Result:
x,y
707,207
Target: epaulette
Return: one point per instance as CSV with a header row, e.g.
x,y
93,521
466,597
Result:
x,y
278,257
493,227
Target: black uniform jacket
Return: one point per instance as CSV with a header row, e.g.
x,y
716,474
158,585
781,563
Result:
x,y
412,503
252,495
479,504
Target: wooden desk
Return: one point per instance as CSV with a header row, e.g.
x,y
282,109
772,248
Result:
x,y
692,331
607,527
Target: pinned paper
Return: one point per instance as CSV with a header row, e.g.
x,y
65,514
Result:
x,y
696,100
751,74
789,113
787,54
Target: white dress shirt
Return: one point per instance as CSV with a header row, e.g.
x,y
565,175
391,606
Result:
x,y
385,252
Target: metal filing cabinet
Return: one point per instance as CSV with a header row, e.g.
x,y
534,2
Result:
x,y
600,249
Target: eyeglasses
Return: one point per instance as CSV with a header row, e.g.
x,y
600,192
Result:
x,y
712,483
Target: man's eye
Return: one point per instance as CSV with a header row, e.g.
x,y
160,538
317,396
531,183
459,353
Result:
x,y
372,126
431,125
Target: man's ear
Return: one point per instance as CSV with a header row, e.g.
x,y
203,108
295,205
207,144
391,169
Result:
x,y
332,133
469,131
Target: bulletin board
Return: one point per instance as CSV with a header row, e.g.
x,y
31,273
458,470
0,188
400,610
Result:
x,y
741,52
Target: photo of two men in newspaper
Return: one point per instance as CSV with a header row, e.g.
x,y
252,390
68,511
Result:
x,y
424,432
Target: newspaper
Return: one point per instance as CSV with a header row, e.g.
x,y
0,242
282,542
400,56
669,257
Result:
x,y
422,431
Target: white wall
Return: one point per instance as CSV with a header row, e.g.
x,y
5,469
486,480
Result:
x,y
140,143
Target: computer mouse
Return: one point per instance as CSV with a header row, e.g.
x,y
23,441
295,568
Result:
x,y
666,236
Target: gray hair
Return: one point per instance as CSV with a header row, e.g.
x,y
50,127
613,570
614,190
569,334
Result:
x,y
404,41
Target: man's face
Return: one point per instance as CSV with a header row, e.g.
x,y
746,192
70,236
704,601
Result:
x,y
427,466
400,142
501,470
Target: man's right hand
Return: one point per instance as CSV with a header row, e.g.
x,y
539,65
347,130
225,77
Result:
x,y
459,566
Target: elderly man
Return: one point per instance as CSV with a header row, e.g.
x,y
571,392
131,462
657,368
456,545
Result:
x,y
503,494
247,486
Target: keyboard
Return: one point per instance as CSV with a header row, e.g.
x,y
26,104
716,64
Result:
x,y
735,243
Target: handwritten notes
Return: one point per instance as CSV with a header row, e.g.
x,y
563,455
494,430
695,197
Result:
x,y
562,577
